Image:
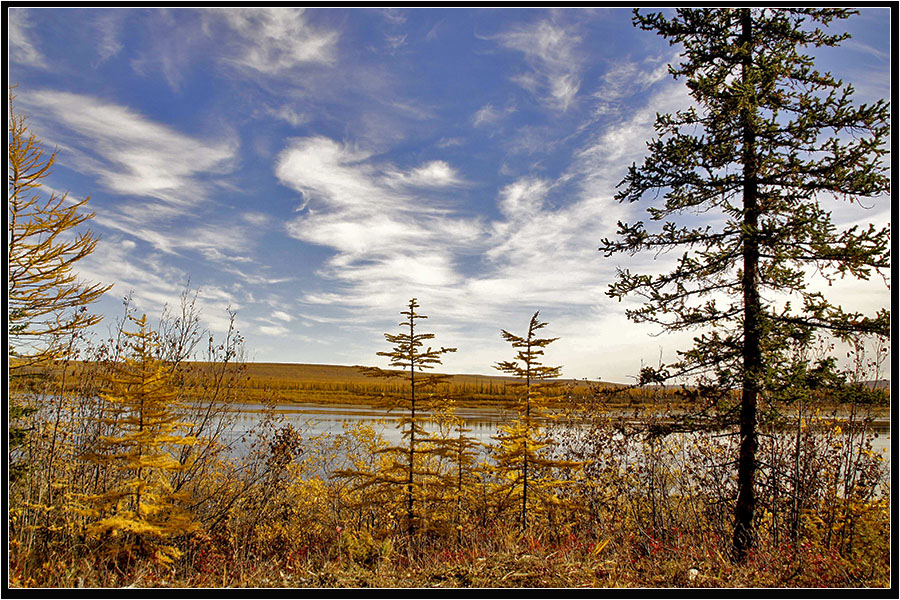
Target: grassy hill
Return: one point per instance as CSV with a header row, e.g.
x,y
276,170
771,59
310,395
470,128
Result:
x,y
338,383
342,384
263,371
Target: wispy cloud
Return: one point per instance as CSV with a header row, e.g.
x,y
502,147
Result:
x,y
489,115
282,316
131,155
396,16
162,178
264,42
274,330
389,228
286,113
600,163
21,45
627,77
551,51
272,40
541,251
436,173
108,26
177,39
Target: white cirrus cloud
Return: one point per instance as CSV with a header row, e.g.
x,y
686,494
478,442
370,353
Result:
x,y
628,77
274,330
436,173
491,115
272,40
21,45
523,198
130,154
389,228
282,316
551,51
161,179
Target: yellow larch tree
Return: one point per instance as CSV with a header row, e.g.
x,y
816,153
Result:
x,y
521,458
46,299
409,470
454,482
46,302
139,511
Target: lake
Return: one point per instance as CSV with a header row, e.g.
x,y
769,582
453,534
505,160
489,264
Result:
x,y
317,419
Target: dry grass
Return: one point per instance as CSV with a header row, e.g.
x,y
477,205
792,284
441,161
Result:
x,y
337,384
512,562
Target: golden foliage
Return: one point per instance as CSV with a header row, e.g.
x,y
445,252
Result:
x,y
526,468
46,301
139,509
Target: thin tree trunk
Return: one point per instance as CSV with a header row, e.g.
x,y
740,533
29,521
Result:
x,y
751,352
412,432
795,503
527,435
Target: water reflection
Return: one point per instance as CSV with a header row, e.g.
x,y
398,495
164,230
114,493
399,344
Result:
x,y
318,419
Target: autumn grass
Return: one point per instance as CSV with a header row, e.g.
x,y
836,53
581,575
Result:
x,y
297,383
339,384
641,514
503,560
336,384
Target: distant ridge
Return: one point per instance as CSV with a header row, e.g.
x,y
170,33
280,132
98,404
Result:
x,y
351,373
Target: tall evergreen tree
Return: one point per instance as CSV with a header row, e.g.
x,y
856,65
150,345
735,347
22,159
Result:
x,y
770,145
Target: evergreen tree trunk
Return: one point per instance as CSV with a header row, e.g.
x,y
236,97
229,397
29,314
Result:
x,y
751,352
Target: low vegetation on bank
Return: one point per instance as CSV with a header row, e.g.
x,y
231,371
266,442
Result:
x,y
618,501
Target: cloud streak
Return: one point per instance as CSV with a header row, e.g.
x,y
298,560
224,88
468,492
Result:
x,y
551,51
130,154
22,48
388,227
272,40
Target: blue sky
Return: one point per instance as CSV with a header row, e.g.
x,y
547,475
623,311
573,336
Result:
x,y
314,169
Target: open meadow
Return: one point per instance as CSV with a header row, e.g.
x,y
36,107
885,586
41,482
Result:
x,y
334,384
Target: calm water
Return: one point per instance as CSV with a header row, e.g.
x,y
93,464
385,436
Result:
x,y
316,419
